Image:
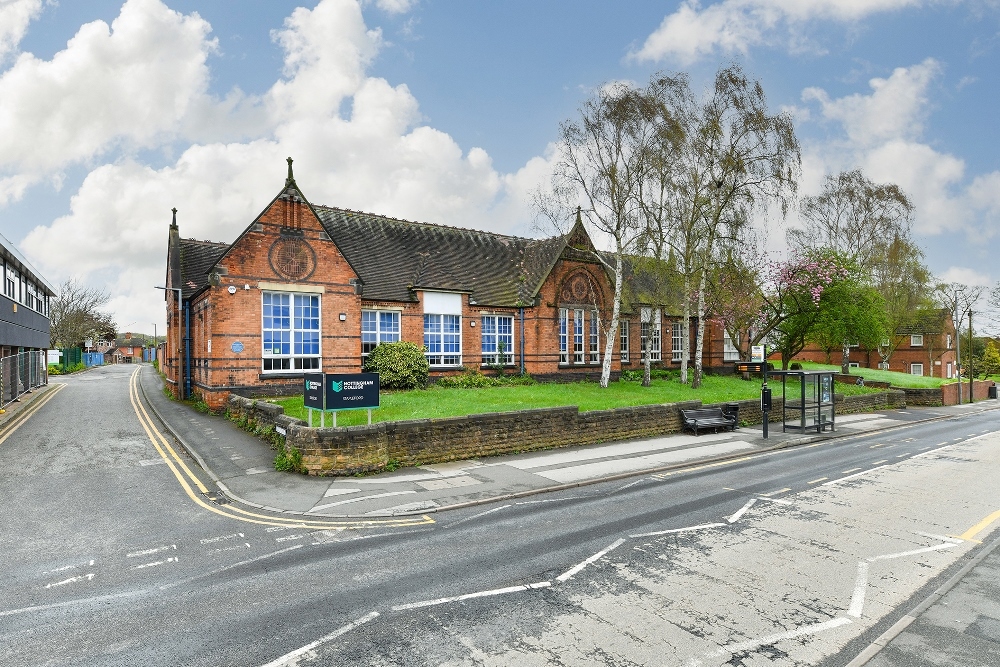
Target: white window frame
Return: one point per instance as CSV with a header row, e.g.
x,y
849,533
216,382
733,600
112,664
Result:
x,y
492,335
623,340
854,364
949,341
578,328
594,338
294,360
914,366
950,370
447,334
11,280
676,342
729,351
916,340
383,330
563,336
649,320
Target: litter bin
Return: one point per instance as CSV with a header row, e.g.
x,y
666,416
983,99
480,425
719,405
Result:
x,y
732,410
993,391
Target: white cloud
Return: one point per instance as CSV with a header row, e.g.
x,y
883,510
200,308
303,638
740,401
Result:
x,y
965,276
358,142
130,84
895,109
883,134
395,6
733,26
15,15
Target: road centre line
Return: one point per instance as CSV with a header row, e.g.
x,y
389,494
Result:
x,y
290,659
880,462
776,500
172,559
89,576
679,530
226,568
69,567
577,568
221,538
857,474
476,516
470,596
743,510
147,552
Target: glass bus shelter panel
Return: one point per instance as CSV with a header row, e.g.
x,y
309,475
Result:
x,y
808,400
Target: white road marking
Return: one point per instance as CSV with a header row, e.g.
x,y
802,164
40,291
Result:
x,y
147,552
69,567
355,500
943,538
71,580
234,565
287,538
469,596
576,568
548,500
306,651
629,485
679,530
743,510
238,547
221,538
476,516
857,474
172,559
153,462
861,582
777,501
791,634
338,491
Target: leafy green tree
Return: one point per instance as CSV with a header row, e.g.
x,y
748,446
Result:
x,y
989,363
849,313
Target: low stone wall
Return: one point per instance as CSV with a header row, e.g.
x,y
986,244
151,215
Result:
x,y
358,449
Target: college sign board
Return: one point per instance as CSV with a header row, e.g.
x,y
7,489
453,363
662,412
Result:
x,y
351,391
340,391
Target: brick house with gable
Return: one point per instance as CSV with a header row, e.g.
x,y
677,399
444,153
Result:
x,y
315,288
925,347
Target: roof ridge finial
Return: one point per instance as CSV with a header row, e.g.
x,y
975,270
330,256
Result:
x,y
174,222
291,179
579,220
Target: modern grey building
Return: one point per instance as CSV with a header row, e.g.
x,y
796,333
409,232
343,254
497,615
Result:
x,y
24,304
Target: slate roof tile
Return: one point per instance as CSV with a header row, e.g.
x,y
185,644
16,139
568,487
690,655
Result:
x,y
197,257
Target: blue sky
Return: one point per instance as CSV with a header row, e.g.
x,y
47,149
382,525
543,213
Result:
x,y
444,111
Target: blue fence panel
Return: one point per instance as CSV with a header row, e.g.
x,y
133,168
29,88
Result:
x,y
93,359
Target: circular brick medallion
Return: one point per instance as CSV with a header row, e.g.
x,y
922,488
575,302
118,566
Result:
x,y
292,257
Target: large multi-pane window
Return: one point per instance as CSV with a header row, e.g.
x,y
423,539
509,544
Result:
x,y
563,336
378,326
443,339
595,353
676,343
650,330
623,345
498,333
291,326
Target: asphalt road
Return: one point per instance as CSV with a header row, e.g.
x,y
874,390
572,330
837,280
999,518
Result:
x,y
110,560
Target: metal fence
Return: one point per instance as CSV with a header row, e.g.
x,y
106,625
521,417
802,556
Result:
x,y
20,373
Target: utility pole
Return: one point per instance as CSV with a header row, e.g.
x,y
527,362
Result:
x,y
972,396
957,321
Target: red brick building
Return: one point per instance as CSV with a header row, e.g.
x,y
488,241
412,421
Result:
x,y
927,347
315,288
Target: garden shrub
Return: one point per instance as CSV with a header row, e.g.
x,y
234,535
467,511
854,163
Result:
x,y
654,374
400,365
475,379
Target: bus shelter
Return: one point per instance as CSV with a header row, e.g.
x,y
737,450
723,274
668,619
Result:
x,y
807,400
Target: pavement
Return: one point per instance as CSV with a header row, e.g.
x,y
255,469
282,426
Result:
x,y
242,466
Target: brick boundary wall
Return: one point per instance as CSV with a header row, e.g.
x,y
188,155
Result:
x,y
360,449
947,394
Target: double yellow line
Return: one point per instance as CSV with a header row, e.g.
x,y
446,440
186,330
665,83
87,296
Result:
x,y
189,482
24,415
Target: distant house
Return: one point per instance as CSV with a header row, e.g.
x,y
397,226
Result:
x,y
925,347
309,288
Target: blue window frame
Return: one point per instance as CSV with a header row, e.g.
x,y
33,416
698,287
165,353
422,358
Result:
x,y
443,340
290,331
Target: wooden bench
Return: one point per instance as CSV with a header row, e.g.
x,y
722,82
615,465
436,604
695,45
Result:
x,y
703,418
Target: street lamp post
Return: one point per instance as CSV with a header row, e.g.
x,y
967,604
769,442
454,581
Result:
x,y
185,389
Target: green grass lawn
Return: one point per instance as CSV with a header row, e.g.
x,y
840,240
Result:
x,y
894,378
449,402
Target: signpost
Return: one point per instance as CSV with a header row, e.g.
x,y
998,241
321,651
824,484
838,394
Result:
x,y
339,391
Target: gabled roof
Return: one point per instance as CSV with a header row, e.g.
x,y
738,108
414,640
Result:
x,y
395,257
928,322
197,257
